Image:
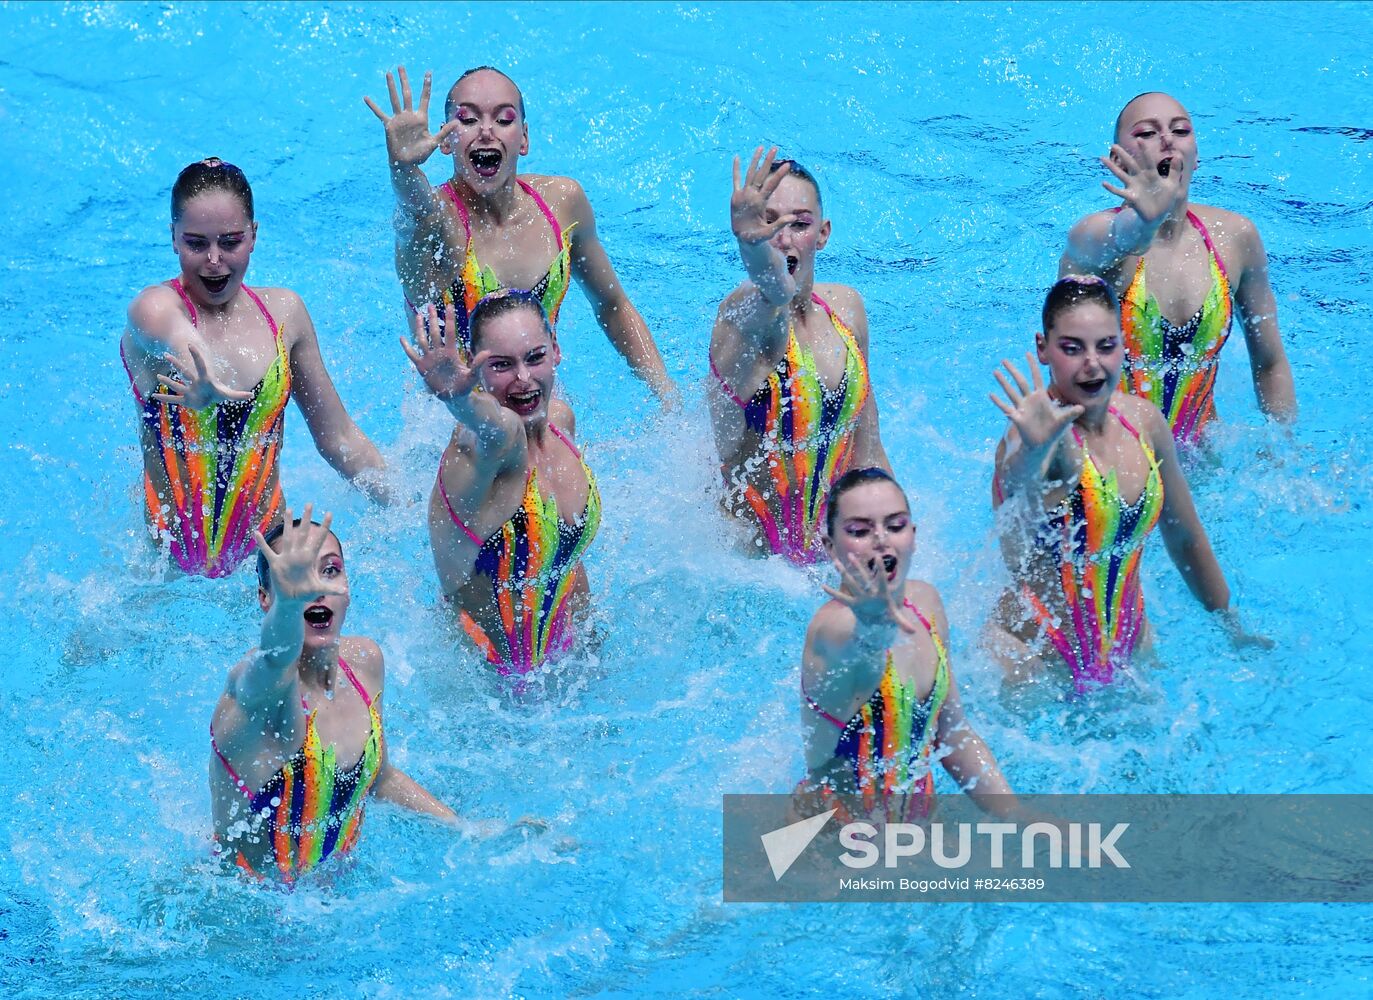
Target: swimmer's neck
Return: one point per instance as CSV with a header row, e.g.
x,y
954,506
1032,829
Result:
x,y
1175,224
495,208
801,304
318,669
1093,421
536,433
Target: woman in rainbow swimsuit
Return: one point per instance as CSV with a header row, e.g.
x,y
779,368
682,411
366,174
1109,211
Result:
x,y
514,506
792,407
212,364
1179,270
296,740
491,228
880,704
1090,472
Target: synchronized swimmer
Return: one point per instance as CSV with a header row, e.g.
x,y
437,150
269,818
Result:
x,y
1087,468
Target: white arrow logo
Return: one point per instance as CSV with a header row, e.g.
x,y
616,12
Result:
x,y
785,845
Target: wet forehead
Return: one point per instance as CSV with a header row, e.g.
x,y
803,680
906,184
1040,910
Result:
x,y
794,195
875,501
217,210
1151,107
486,90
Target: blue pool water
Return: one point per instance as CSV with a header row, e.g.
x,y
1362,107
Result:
x,y
955,144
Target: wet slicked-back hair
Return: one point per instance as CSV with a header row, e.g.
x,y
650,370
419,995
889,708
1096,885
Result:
x,y
450,106
1073,290
852,480
802,173
264,572
507,300
210,174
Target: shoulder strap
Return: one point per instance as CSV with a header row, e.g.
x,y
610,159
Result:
x,y
447,188
366,698
724,386
815,706
563,438
180,289
906,602
238,782
271,323
1200,227
454,514
547,212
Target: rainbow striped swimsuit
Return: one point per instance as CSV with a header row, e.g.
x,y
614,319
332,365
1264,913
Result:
x,y
888,741
807,433
215,480
1174,367
475,282
1097,539
531,561
310,809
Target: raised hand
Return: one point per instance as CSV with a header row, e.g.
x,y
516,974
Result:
x,y
1040,419
869,595
294,564
439,359
748,203
408,139
1152,195
199,386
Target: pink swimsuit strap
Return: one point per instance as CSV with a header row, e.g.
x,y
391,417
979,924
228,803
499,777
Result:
x,y
721,379
443,492
238,782
906,602
1200,227
1077,436
176,286
447,188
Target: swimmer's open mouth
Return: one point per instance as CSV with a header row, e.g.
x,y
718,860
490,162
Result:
x,y
792,264
486,162
889,564
524,403
215,285
1093,387
319,617
1164,166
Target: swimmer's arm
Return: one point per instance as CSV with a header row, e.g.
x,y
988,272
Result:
x,y
844,654
622,323
868,450
968,759
429,253
1258,314
394,785
1100,241
964,755
1183,534
337,436
165,340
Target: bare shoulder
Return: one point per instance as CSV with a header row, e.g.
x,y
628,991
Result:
x,y
926,598
364,658
561,416
1235,235
740,307
846,303
151,308
1143,416
282,303
564,195
830,626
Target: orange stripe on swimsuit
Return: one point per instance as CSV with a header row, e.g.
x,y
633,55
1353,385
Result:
x,y
218,464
